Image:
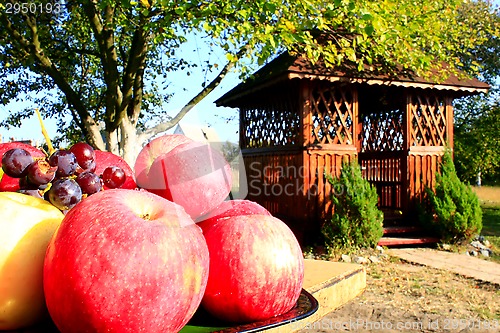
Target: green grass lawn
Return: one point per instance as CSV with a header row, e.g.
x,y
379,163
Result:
x,y
491,229
490,203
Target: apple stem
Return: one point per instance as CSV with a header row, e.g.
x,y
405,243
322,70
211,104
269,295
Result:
x,y
44,132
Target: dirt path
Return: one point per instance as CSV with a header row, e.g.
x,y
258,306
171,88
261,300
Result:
x,y
404,297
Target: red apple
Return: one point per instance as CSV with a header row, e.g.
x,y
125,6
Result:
x,y
193,175
125,261
156,147
9,184
231,208
256,268
105,159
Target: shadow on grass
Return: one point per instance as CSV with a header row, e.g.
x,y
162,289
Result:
x,y
491,222
491,230
489,196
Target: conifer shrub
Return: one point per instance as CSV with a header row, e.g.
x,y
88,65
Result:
x,y
452,209
356,221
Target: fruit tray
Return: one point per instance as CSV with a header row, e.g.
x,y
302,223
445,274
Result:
x,y
202,322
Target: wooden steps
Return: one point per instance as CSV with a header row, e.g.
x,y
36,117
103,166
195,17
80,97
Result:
x,y
401,230
405,241
401,235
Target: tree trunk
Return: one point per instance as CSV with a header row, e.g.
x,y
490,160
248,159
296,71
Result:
x,y
95,137
112,142
124,141
130,143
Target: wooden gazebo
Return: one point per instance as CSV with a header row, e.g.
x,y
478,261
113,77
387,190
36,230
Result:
x,y
299,122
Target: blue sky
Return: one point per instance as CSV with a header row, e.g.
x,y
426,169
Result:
x,y
183,88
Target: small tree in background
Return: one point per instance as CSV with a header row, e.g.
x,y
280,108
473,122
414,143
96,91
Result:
x,y
356,221
452,209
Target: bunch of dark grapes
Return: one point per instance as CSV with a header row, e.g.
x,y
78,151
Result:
x,y
64,177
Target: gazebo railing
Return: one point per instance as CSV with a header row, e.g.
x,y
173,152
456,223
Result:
x,y
384,171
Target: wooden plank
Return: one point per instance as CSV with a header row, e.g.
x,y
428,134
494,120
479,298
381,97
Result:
x,y
272,150
395,241
385,154
331,148
328,186
407,130
358,125
306,112
405,161
418,175
242,130
312,190
306,180
449,122
320,181
425,174
434,168
425,150
387,169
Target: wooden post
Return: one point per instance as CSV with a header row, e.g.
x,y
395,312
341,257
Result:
x,y
449,122
406,165
306,116
358,125
305,139
242,127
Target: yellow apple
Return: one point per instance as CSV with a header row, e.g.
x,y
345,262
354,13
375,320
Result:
x,y
26,227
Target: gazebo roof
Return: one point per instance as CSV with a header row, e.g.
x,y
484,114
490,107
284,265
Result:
x,y
286,67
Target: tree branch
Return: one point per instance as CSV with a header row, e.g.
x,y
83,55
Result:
x,y
134,73
46,66
16,35
194,101
135,106
109,58
80,51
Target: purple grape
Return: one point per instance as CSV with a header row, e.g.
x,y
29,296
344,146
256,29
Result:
x,y
91,167
65,193
89,182
15,162
34,193
25,184
113,177
65,161
84,154
40,172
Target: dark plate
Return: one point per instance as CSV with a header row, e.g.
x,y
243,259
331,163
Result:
x,y
202,322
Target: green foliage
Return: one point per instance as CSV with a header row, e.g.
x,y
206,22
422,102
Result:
x,y
453,209
356,221
104,66
230,151
477,144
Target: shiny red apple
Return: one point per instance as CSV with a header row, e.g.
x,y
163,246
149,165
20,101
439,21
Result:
x,y
106,159
156,147
125,261
9,184
230,208
194,175
256,268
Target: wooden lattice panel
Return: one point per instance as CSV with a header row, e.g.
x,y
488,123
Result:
x,y
382,131
275,124
332,116
427,120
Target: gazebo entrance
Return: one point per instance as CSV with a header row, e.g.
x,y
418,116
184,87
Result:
x,y
298,123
